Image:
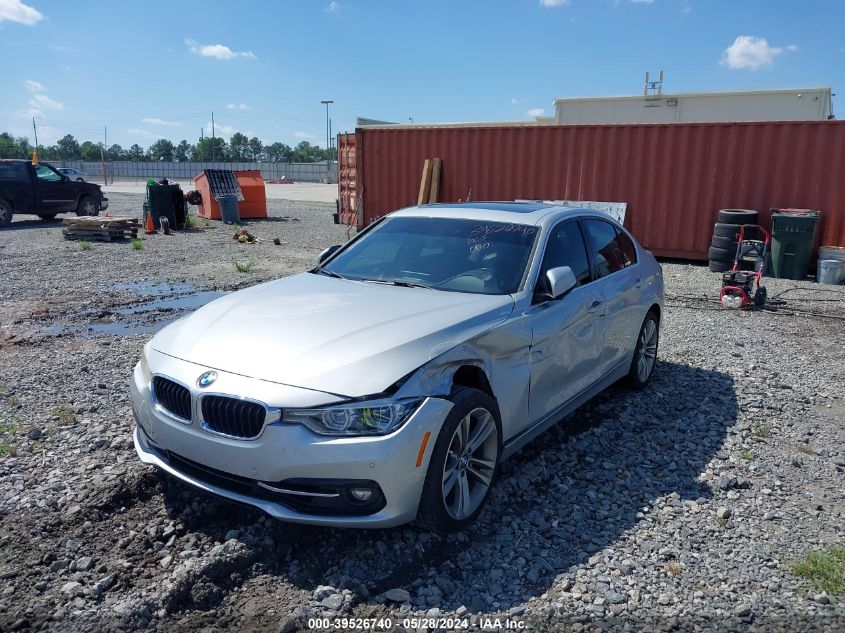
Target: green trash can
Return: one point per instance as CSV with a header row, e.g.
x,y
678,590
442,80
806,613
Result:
x,y
793,232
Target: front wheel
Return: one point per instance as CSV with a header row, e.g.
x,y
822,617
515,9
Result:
x,y
645,353
463,463
5,213
88,206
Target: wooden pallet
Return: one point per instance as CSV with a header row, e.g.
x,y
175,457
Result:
x,y
100,229
99,235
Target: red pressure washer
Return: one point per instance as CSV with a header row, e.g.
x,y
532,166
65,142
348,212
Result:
x,y
749,266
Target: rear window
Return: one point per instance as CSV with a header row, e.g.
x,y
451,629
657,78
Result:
x,y
608,255
13,171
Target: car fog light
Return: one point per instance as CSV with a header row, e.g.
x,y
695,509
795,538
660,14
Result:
x,y
361,494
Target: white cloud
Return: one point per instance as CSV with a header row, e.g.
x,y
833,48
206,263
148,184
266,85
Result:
x,y
752,53
217,51
687,9
220,130
45,102
34,86
535,112
305,136
238,106
553,3
17,11
332,7
136,131
164,122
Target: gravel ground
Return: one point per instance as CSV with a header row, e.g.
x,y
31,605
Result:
x,y
681,507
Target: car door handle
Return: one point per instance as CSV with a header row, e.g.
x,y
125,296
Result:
x,y
639,283
596,305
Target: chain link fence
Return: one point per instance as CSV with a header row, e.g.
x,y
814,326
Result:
x,y
131,170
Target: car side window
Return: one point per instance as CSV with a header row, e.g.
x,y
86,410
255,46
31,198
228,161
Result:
x,y
46,174
627,246
608,256
13,171
566,248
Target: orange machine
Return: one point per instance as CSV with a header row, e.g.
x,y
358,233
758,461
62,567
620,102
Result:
x,y
253,205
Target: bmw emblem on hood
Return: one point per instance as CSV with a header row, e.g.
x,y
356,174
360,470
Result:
x,y
207,378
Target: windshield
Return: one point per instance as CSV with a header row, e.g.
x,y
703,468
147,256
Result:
x,y
442,253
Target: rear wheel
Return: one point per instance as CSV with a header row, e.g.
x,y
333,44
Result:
x,y
5,213
463,464
88,206
47,217
645,353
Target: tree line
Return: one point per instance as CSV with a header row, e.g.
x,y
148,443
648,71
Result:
x,y
239,149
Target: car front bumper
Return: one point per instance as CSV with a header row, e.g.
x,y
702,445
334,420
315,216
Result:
x,y
232,468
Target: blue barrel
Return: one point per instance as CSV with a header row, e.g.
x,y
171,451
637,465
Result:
x,y
229,212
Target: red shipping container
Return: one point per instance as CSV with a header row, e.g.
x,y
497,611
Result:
x,y
674,177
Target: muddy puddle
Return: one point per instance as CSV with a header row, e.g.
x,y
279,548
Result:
x,y
165,303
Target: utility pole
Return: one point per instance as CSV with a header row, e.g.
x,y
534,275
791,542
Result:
x,y
328,139
35,132
103,153
213,139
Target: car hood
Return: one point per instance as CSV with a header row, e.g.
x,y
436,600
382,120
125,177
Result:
x,y
335,335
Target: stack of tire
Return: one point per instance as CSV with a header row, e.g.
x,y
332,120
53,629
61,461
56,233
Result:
x,y
725,234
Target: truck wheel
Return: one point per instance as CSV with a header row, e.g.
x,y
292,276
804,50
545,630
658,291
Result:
x,y
5,213
88,206
47,217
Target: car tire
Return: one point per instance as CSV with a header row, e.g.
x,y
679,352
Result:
x,y
737,216
726,230
719,267
47,217
725,255
723,242
80,180
88,206
460,477
5,213
645,352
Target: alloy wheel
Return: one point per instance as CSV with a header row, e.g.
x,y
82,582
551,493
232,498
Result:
x,y
470,463
648,350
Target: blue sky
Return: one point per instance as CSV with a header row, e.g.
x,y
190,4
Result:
x,y
153,69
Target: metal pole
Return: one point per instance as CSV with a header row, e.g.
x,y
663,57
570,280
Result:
x,y
328,137
213,140
35,131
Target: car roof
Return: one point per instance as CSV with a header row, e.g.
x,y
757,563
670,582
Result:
x,y
532,213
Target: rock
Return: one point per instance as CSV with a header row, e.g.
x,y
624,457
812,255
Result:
x,y
288,624
165,562
742,610
397,595
723,513
35,434
85,563
322,592
821,598
333,602
72,588
614,597
445,583
58,565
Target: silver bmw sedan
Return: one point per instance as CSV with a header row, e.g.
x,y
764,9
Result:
x,y
388,383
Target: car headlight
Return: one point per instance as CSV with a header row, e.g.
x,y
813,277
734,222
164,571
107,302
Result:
x,y
375,417
144,367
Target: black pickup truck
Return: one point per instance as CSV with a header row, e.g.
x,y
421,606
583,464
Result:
x,y
41,190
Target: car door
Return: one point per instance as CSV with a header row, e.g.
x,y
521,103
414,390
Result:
x,y
567,333
615,265
15,185
52,192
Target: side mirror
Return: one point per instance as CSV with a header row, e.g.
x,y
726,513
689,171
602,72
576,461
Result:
x,y
327,253
65,178
560,281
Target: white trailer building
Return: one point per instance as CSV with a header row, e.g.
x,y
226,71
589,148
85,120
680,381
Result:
x,y
810,104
